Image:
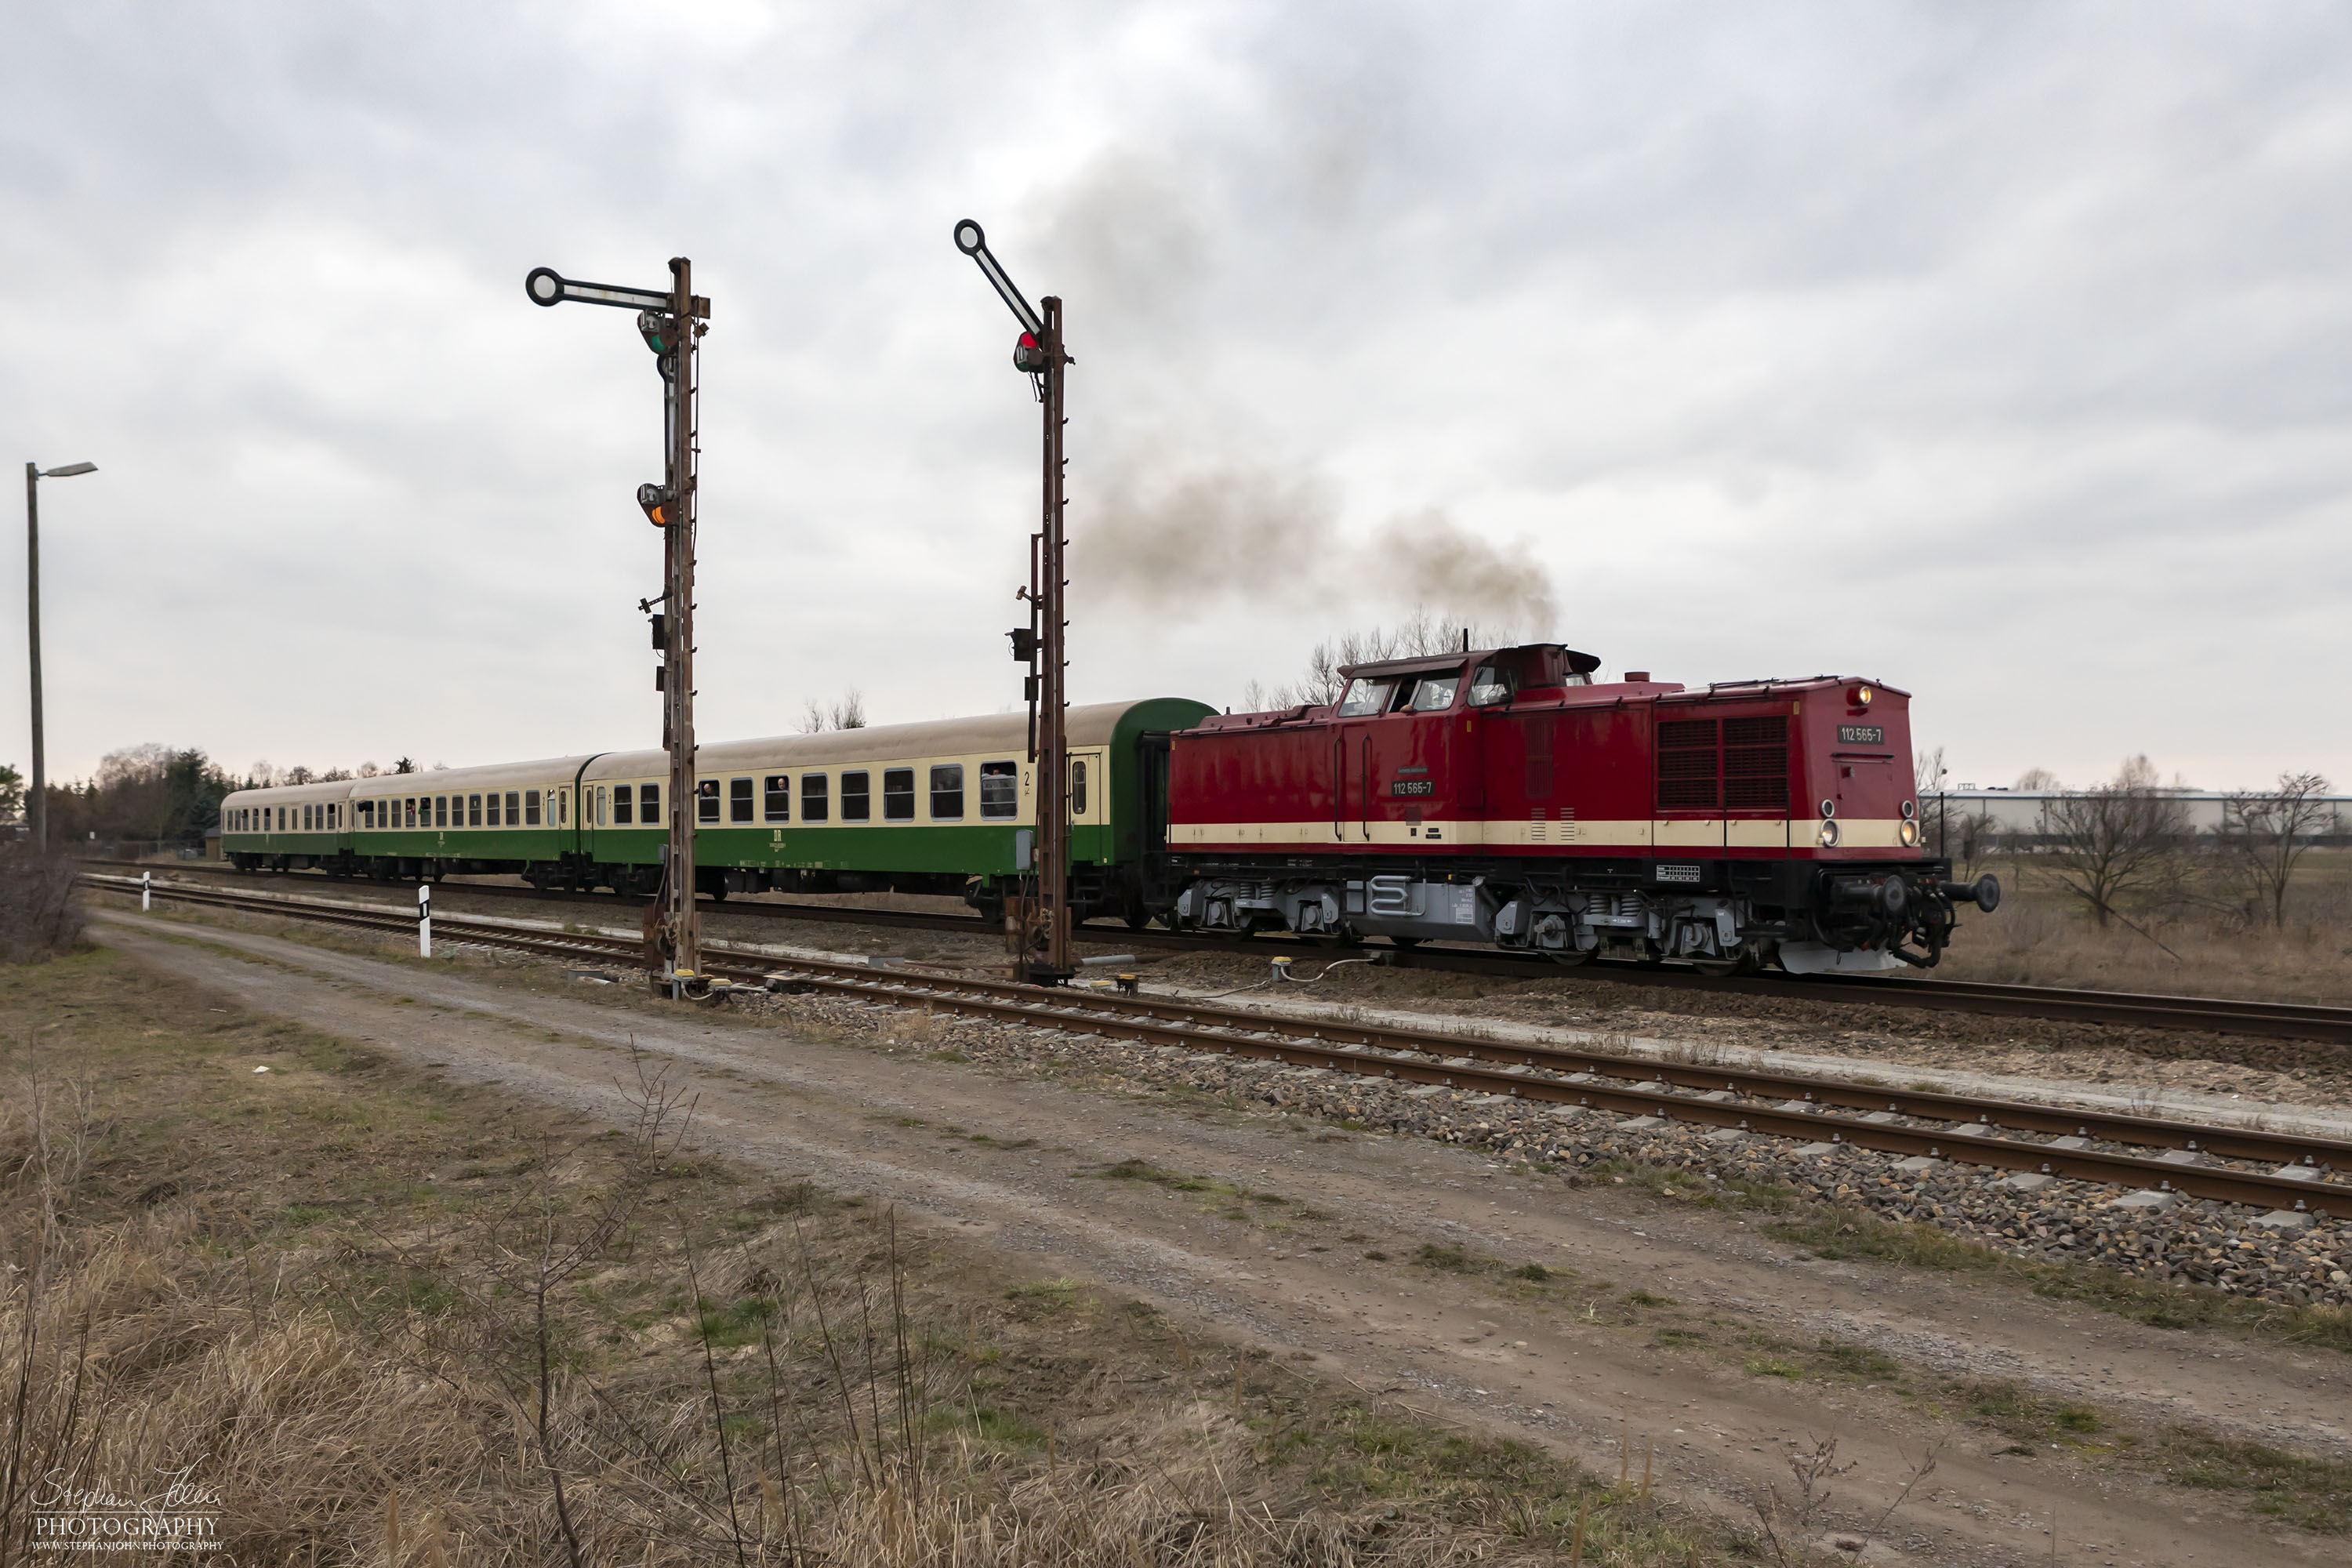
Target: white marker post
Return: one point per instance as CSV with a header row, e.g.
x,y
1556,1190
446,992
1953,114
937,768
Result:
x,y
423,919
146,890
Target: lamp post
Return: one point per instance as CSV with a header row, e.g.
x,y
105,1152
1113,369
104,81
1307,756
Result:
x,y
1044,952
36,810
672,321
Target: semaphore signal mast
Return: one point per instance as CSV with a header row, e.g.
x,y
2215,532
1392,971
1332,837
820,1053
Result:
x,y
672,323
1042,926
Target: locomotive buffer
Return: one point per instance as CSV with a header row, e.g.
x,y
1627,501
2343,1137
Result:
x,y
672,323
1040,926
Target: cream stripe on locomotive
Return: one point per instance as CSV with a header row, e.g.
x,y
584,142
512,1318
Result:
x,y
1736,833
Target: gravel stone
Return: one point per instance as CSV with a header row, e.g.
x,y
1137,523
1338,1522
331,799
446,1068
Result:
x,y
2161,1236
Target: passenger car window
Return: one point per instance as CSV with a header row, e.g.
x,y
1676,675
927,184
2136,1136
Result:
x,y
514,800
947,792
813,789
1435,693
473,811
648,805
706,800
739,800
1365,697
530,808
440,811
898,795
624,810
776,794
1077,788
1000,789
855,797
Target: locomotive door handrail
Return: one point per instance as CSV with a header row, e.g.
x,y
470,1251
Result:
x,y
1367,757
1338,783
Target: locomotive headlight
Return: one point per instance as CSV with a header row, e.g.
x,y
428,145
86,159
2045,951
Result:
x,y
1862,696
1908,832
1828,835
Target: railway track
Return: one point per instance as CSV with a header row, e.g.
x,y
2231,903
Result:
x,y
2264,1168
2223,1016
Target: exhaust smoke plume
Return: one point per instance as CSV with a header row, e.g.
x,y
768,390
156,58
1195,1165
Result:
x,y
1254,538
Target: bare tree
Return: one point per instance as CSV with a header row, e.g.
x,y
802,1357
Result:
x,y
2122,837
1418,635
2264,832
368,770
2034,781
1928,773
848,713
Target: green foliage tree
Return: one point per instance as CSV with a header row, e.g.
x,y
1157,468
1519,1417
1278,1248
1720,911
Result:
x,y
12,793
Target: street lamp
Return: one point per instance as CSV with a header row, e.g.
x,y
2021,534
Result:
x,y
36,813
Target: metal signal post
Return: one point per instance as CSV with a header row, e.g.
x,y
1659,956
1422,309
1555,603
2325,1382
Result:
x,y
1044,937
672,323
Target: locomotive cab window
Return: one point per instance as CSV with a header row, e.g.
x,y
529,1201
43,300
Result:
x,y
706,800
1490,684
1434,693
1000,790
813,804
947,793
739,800
855,797
776,796
898,795
1366,698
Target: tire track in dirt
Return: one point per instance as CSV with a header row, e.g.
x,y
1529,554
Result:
x,y
1526,1369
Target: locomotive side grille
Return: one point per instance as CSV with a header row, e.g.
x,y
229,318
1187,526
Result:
x,y
1756,763
1690,759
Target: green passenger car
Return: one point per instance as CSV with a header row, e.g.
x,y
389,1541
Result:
x,y
948,806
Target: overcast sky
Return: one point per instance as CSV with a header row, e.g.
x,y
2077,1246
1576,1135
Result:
x,y
1995,351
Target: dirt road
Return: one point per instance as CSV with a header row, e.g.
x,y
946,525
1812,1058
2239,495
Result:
x,y
1267,1238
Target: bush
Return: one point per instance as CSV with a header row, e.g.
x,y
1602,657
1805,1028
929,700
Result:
x,y
40,911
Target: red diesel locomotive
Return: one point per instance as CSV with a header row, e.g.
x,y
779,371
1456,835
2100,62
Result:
x,y
1503,797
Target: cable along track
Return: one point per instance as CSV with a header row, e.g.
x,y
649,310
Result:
x,y
1962,1128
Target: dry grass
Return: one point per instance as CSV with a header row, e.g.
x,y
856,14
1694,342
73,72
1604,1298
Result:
x,y
390,1321
40,911
2041,937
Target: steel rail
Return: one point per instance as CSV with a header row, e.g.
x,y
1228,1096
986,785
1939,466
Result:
x,y
2228,1016
1386,1052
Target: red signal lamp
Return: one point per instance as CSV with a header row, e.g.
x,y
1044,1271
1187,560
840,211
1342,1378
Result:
x,y
1029,355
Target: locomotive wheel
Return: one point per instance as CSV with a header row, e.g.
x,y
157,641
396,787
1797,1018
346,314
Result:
x,y
1715,968
1567,957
